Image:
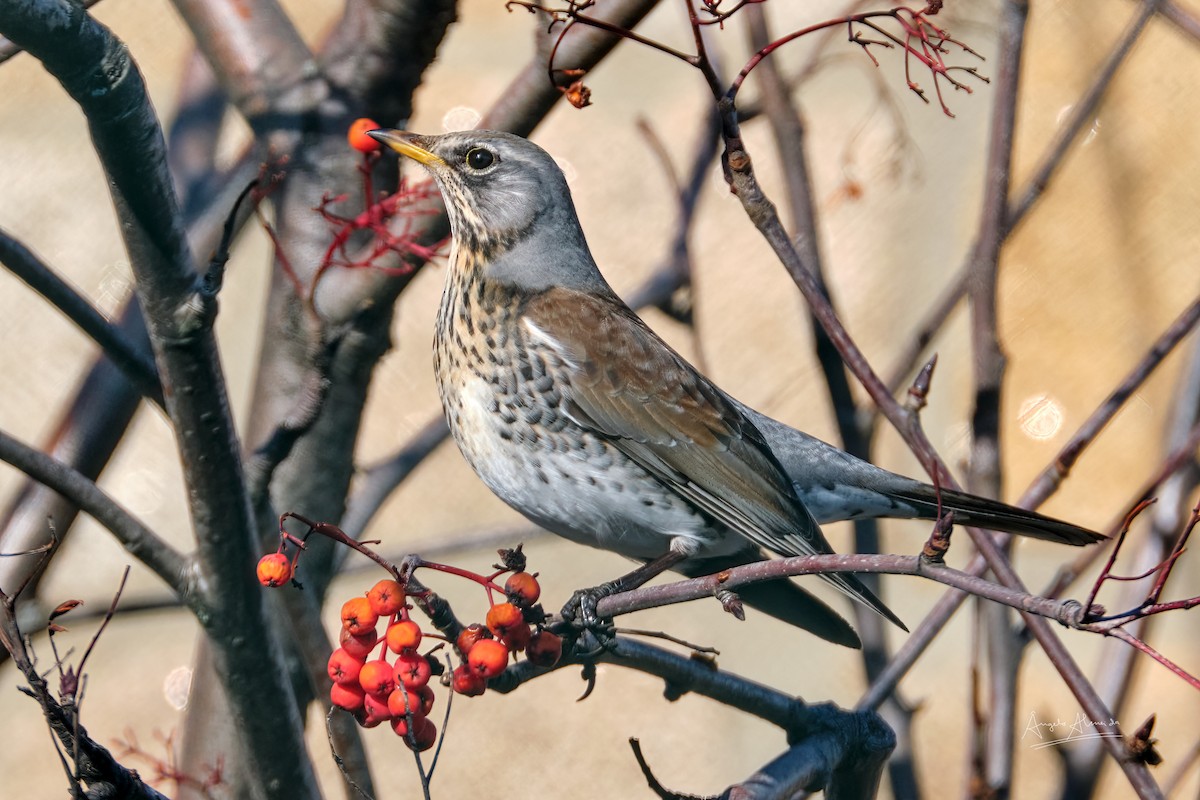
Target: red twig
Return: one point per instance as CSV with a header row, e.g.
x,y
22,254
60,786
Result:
x,y
1138,644
1176,552
919,38
1116,550
330,531
377,218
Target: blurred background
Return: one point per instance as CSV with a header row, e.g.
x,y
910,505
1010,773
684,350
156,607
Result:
x,y
1091,278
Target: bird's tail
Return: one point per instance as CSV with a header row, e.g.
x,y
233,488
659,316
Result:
x,y
991,514
786,601
848,584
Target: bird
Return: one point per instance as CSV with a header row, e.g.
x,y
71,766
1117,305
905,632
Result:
x,y
578,415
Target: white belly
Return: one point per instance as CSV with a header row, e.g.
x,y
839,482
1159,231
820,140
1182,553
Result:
x,y
571,482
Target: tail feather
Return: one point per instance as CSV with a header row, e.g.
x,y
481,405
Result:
x,y
787,602
849,584
992,514
835,485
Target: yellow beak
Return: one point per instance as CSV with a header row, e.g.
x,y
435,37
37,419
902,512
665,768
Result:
x,y
407,144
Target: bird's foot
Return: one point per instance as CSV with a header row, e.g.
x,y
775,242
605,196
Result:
x,y
580,612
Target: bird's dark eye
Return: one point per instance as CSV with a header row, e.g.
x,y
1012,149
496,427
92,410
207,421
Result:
x,y
480,158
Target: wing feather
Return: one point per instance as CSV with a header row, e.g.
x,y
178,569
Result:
x,y
630,387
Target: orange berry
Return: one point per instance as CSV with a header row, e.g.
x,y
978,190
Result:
x,y
359,646
469,635
344,668
348,697
375,710
420,700
357,616
357,135
376,677
403,635
544,648
413,670
466,682
522,588
517,638
274,569
487,658
424,732
387,596
503,618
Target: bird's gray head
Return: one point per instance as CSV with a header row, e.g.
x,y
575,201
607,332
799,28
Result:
x,y
509,206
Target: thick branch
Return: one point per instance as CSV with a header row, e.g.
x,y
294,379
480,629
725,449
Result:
x,y
380,50
96,70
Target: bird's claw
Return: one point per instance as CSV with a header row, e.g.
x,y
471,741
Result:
x,y
580,612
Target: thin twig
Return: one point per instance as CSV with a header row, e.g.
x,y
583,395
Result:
x,y
135,363
1048,481
1026,197
1082,112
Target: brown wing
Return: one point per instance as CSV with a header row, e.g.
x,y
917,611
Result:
x,y
630,387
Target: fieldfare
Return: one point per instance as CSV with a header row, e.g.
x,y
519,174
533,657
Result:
x,y
575,413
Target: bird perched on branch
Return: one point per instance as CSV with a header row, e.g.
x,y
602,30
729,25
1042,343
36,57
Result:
x,y
575,413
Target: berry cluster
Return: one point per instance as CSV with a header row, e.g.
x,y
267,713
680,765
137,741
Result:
x,y
485,648
381,677
377,690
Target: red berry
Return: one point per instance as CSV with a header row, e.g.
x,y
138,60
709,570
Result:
x,y
375,711
502,618
466,682
376,677
522,589
424,732
344,668
420,701
413,670
359,646
357,135
387,596
469,635
427,697
544,648
274,569
517,638
403,635
347,697
487,658
357,616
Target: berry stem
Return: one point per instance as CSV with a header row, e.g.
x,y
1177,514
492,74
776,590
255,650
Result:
x,y
484,581
331,531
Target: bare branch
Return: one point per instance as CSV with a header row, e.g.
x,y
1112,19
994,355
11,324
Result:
x,y
380,49
1048,481
528,99
96,69
131,360
140,541
1082,112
